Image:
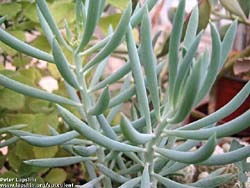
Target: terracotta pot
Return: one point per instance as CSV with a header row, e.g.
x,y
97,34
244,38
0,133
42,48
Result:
x,y
226,89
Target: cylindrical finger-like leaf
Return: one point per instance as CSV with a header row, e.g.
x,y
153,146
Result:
x,y
131,170
230,128
122,97
111,174
145,178
213,181
170,183
131,183
73,95
57,162
169,168
138,14
149,61
213,66
129,93
217,172
135,20
81,17
121,164
117,108
93,16
191,91
63,65
191,28
227,42
20,133
115,40
132,134
187,145
91,183
184,68
9,141
105,126
174,45
205,63
138,77
78,142
134,157
93,135
85,151
49,19
113,77
23,47
197,156
34,92
46,141
5,129
137,124
68,31
155,38
101,104
46,29
174,168
98,73
97,46
91,170
223,112
229,157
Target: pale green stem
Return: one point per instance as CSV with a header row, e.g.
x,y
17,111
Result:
x,y
86,100
152,143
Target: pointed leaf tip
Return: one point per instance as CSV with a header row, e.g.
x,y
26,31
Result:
x,y
63,65
101,104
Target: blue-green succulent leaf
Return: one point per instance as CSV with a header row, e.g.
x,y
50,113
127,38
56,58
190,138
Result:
x,y
213,181
111,174
131,183
132,134
105,126
115,39
93,16
138,77
149,61
47,141
34,92
223,112
24,47
57,162
145,178
85,151
63,65
174,45
101,104
170,183
229,157
191,28
230,128
197,156
94,135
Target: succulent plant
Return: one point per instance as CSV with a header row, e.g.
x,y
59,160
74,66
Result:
x,y
141,150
